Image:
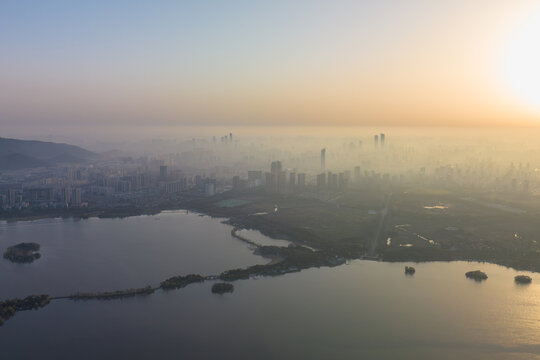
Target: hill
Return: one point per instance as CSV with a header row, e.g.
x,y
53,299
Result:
x,y
23,154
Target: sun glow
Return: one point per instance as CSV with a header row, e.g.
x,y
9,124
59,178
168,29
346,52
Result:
x,y
521,61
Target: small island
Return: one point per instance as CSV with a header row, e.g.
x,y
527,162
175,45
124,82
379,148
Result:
x,y
523,279
409,270
178,282
22,253
476,275
222,288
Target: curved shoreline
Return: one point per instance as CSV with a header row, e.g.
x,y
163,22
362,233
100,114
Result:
x,y
391,258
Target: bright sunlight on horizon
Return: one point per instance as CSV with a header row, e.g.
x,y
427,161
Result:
x,y
317,63
521,61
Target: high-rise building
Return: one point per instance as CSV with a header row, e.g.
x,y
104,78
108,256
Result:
x,y
376,140
236,183
76,197
230,137
12,197
332,181
210,187
301,181
292,181
66,195
275,167
357,173
270,182
321,181
383,139
282,182
342,181
255,178
163,173
323,159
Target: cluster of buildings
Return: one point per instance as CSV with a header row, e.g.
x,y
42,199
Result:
x,y
203,168
275,181
18,198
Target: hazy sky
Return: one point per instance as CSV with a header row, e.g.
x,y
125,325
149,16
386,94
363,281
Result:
x,y
387,62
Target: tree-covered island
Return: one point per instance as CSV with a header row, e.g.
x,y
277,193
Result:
x,y
222,288
476,275
25,252
523,279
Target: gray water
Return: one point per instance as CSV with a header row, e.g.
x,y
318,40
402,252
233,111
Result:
x,y
361,310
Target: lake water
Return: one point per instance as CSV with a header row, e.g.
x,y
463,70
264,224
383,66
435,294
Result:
x,y
364,309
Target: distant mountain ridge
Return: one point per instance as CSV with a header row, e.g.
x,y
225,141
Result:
x,y
23,154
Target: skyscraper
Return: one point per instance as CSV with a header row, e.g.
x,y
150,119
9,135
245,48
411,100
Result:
x,y
76,197
383,138
357,173
301,181
275,167
66,195
376,140
236,182
163,173
255,178
323,159
12,197
276,180
292,181
321,181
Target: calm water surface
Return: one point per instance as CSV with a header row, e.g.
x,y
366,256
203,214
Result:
x,y
362,310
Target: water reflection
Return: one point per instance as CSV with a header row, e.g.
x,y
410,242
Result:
x,y
365,309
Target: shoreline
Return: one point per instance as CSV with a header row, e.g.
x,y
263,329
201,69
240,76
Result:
x,y
239,226
283,260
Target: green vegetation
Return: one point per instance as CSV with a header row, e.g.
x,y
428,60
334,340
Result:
x,y
109,295
221,288
476,275
471,226
336,223
294,258
409,270
523,279
22,253
9,308
422,224
177,282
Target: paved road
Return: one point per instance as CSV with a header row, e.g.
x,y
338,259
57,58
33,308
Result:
x,y
380,226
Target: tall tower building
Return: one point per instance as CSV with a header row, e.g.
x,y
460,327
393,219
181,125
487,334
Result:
x,y
163,173
376,140
321,181
292,181
275,167
76,197
357,173
383,139
301,181
323,159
